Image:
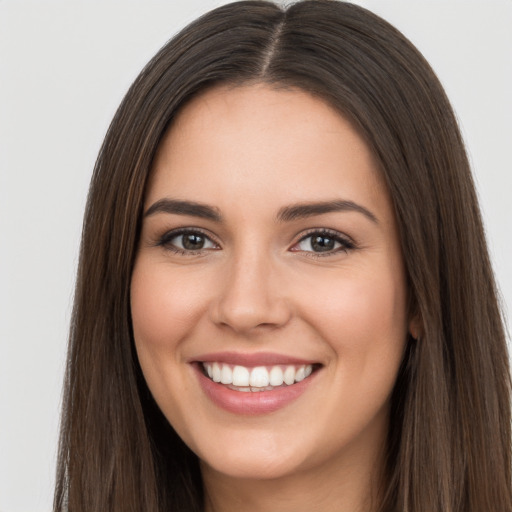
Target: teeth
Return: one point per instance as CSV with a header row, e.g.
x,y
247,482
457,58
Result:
x,y
289,375
240,376
259,378
300,374
216,372
226,375
276,376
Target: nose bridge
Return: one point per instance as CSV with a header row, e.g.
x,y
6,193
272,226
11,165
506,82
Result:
x,y
251,296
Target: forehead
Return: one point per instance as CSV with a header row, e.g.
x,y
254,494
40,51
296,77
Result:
x,y
257,141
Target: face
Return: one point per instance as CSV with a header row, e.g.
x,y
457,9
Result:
x,y
268,295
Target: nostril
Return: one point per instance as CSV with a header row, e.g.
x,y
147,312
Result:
x,y
245,319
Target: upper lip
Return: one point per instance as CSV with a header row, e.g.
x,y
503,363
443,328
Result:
x,y
251,359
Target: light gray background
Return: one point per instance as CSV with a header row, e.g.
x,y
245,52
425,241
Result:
x,y
64,67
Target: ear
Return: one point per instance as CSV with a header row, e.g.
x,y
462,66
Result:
x,y
415,326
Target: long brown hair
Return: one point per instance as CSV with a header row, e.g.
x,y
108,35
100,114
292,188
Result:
x,y
450,431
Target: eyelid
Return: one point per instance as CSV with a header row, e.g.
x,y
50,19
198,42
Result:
x,y
167,236
346,242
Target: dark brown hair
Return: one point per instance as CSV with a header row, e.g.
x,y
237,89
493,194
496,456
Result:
x,y
450,432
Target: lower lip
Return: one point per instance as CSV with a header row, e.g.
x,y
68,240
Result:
x,y
252,403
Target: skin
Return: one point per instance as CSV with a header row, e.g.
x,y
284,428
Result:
x,y
259,286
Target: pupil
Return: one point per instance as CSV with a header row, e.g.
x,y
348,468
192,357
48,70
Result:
x,y
193,242
322,243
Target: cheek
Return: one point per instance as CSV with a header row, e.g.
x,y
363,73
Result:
x,y
164,306
165,309
364,322
363,319
370,299
369,312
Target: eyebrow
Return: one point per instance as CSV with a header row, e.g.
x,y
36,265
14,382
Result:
x,y
178,207
304,210
285,214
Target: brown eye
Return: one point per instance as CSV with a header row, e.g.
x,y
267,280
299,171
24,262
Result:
x,y
323,242
192,241
187,241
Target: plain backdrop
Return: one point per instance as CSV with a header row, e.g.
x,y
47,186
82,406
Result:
x,y
64,67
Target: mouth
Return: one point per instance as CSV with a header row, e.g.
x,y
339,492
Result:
x,y
254,384
258,378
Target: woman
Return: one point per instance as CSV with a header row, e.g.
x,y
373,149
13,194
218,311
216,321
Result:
x,y
284,296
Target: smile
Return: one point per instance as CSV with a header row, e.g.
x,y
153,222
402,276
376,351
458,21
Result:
x,y
254,384
256,379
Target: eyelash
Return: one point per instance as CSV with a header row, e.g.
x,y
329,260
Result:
x,y
346,244
165,241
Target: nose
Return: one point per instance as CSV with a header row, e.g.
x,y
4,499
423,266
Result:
x,y
252,297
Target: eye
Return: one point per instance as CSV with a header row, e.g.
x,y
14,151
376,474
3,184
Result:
x,y
187,241
323,241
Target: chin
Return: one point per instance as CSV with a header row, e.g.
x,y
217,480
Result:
x,y
252,466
